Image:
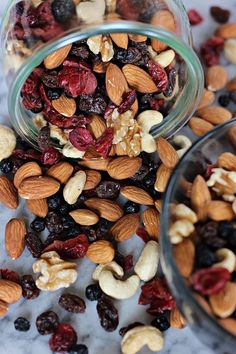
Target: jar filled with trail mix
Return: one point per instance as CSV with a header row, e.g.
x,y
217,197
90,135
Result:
x,y
99,78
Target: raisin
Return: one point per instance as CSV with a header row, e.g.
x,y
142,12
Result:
x,y
50,156
63,10
224,100
64,209
210,281
194,17
93,292
29,288
81,52
81,138
127,10
149,181
131,207
6,166
130,56
38,225
205,257
108,189
54,202
44,138
92,104
63,338
22,324
53,222
161,322
72,303
108,314
225,229
34,244
51,238
47,322
140,174
78,349
49,78
126,262
171,84
220,15
124,330
53,94
103,227
68,222
209,235
142,233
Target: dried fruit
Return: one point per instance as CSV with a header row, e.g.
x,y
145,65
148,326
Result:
x,y
194,17
108,314
34,244
73,248
47,322
220,15
22,324
29,288
72,303
63,338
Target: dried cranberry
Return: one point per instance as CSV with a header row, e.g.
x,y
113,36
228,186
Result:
x,y
50,156
158,75
142,233
211,49
210,281
9,274
47,322
44,96
124,330
81,139
157,103
108,314
73,248
128,99
126,262
194,17
29,288
63,338
209,171
158,306
34,244
127,10
60,121
92,104
110,108
31,98
108,189
220,15
104,143
72,303
26,155
49,78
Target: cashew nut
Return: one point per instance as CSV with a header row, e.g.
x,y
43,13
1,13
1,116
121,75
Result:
x,y
59,134
165,58
91,11
148,143
74,187
39,121
182,212
7,142
118,289
148,119
135,339
146,266
183,142
180,229
70,151
227,259
114,267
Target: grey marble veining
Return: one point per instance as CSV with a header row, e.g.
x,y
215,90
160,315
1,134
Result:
x,y
87,325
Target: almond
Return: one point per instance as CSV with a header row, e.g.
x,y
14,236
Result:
x,y
227,30
125,228
166,20
167,153
151,221
62,171
200,197
139,79
15,238
184,256
203,303
29,169
99,164
227,160
92,180
200,126
38,207
208,97
38,187
136,195
97,125
219,211
176,319
8,193
65,105
100,67
229,324
231,85
232,135
119,150
10,292
215,115
223,303
216,78
124,167
186,186
120,39
55,59
158,204
162,177
116,84
84,217
101,252
3,308
137,38
107,209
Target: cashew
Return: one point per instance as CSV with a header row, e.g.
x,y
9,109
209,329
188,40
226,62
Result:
x,y
230,50
39,121
59,134
183,142
135,339
101,44
182,212
180,229
165,58
91,11
148,119
146,266
70,151
7,142
74,187
227,259
118,289
114,267
148,143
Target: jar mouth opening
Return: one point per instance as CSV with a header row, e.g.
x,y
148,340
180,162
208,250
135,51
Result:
x,y
184,107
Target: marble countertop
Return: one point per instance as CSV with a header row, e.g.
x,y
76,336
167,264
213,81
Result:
x,y
87,325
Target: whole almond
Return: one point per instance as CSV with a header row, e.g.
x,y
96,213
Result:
x,y
219,210
231,85
137,38
215,115
92,180
158,204
97,125
3,308
99,164
8,193
55,59
100,67
184,256
10,292
38,207
62,171
166,20
232,135
151,221
120,39
139,79
208,97
227,30
203,303
199,126
186,186
227,160
107,209
124,167
216,78
200,197
162,177
65,105
84,217
137,195
167,153
229,324
125,228
29,169
101,252
223,303
116,84
38,187
15,238
176,319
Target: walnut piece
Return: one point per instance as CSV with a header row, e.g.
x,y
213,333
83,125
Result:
x,y
223,182
101,44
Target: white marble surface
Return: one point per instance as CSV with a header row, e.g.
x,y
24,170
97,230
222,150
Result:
x,y
87,325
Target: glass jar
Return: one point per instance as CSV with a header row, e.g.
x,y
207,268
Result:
x,y
31,31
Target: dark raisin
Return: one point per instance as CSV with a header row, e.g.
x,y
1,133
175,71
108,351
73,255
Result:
x,y
140,174
44,138
232,239
209,235
108,314
171,83
92,104
103,227
68,222
90,233
73,232
22,324
17,163
233,96
131,207
63,338
79,202
54,202
149,181
54,94
63,10
108,189
205,257
144,101
6,166
47,322
64,209
53,237
49,79
224,100
93,292
54,222
220,15
29,288
34,244
130,56
161,322
124,330
78,349
126,262
38,225
72,303
225,229
81,52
